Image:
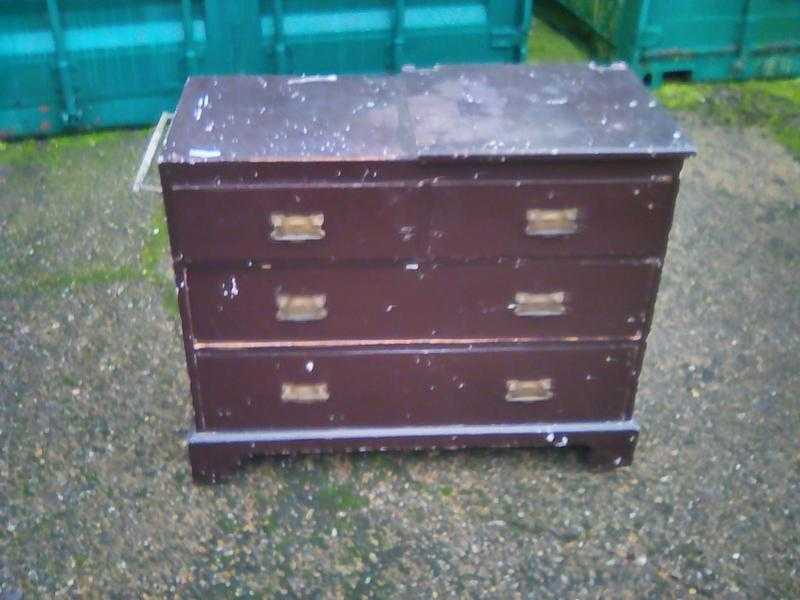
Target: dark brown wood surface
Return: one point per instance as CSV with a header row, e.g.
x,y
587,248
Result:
x,y
424,386
418,189
403,222
419,174
478,110
360,223
614,218
415,302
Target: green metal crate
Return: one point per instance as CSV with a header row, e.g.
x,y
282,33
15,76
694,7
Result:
x,y
693,39
80,64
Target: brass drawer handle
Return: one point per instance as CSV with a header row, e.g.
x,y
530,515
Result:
x,y
296,228
531,390
301,308
539,305
304,393
551,222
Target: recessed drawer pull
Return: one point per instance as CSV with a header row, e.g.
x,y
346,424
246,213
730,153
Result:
x,y
301,308
304,393
529,390
551,222
539,305
296,228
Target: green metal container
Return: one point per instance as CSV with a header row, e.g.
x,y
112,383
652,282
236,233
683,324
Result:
x,y
81,64
693,39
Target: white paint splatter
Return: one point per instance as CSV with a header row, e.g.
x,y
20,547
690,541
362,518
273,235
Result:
x,y
311,79
204,153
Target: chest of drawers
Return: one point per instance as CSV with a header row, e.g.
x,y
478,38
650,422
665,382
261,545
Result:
x,y
453,257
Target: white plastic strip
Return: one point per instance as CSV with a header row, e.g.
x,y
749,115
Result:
x,y
364,433
149,153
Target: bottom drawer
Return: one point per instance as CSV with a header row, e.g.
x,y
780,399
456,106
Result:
x,y
421,386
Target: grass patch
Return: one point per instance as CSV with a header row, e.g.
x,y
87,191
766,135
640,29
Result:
x,y
53,151
147,267
680,96
24,152
773,105
67,280
339,497
156,244
154,250
546,45
41,171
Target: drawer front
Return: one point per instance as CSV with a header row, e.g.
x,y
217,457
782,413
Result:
x,y
307,303
538,220
295,223
333,388
533,300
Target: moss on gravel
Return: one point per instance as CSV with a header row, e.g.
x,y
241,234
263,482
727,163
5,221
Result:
x,y
148,267
155,250
773,105
340,497
47,203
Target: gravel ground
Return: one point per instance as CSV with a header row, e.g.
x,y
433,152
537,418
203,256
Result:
x,y
96,498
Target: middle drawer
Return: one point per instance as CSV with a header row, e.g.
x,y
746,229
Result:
x,y
517,300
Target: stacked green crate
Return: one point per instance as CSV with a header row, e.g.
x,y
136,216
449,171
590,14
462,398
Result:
x,y
694,39
80,64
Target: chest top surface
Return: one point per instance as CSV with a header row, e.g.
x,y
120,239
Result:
x,y
517,111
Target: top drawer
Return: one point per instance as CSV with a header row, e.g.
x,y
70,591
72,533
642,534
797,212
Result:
x,y
604,218
429,221
341,223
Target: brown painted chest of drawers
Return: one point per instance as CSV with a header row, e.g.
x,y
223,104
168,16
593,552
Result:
x,y
461,256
